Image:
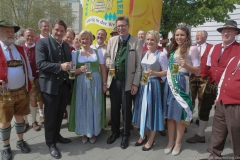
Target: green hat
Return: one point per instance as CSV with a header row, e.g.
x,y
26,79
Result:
x,y
229,24
6,24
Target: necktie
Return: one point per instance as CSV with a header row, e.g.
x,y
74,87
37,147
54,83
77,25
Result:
x,y
220,56
122,40
10,53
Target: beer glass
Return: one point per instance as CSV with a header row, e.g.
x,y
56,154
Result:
x,y
175,68
144,80
72,70
88,71
6,92
112,68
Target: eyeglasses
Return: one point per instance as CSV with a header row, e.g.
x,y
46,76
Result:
x,y
122,26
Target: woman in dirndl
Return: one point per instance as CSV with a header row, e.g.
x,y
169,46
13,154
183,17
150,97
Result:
x,y
177,105
147,113
87,113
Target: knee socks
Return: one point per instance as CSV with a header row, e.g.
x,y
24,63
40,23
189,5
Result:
x,y
202,127
33,113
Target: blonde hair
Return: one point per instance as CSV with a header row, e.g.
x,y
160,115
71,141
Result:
x,y
155,34
85,32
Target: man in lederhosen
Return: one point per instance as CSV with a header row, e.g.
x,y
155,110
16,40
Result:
x,y
16,72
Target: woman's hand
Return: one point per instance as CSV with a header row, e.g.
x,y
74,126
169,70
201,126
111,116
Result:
x,y
150,72
183,63
80,70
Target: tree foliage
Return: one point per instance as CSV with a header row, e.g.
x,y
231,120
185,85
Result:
x,y
27,13
194,12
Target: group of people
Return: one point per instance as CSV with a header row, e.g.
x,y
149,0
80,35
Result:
x,y
175,77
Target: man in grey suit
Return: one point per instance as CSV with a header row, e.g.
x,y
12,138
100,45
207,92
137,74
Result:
x,y
52,59
125,51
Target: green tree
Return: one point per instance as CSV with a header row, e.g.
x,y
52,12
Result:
x,y
27,13
194,12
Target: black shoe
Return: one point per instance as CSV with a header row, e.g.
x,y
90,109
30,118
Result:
x,y
147,149
185,131
191,121
197,122
124,143
24,147
6,154
122,133
131,127
110,122
63,140
144,141
112,138
54,152
163,133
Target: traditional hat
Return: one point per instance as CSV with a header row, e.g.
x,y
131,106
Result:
x,y
229,24
114,31
6,24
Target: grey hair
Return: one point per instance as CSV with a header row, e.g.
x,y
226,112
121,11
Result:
x,y
29,29
41,21
205,33
21,32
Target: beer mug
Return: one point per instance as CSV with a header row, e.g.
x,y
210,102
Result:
x,y
144,80
72,70
88,71
6,92
175,68
111,68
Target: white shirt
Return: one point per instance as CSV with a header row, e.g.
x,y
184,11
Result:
x,y
33,45
163,60
210,53
203,48
92,58
16,75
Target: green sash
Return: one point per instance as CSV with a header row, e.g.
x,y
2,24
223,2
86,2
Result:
x,y
181,96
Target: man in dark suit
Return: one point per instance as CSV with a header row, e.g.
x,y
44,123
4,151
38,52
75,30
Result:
x,y
125,51
52,59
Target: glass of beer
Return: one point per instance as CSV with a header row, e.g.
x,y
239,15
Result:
x,y
112,68
88,71
175,68
6,92
72,70
144,75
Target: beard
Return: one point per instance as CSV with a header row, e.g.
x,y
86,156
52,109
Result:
x,y
9,39
100,41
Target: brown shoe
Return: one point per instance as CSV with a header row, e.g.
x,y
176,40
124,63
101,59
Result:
x,y
41,119
196,139
36,127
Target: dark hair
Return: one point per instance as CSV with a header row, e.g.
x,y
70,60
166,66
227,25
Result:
x,y
59,22
122,18
70,30
102,30
187,44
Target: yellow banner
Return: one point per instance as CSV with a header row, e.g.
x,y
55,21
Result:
x,y
142,14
